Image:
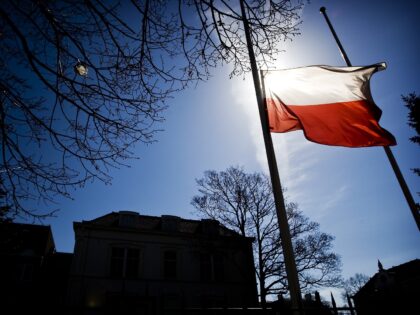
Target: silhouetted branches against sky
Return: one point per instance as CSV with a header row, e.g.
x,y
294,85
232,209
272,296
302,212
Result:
x,y
244,202
82,81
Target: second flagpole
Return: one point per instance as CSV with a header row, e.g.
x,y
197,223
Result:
x,y
289,258
406,191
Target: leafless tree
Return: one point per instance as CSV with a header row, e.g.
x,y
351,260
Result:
x,y
82,81
412,102
244,202
353,284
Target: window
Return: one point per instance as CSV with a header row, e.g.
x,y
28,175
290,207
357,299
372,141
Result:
x,y
211,267
218,267
125,262
169,264
170,223
117,262
132,263
205,267
128,219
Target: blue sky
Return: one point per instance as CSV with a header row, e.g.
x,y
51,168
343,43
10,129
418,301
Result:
x,y
352,193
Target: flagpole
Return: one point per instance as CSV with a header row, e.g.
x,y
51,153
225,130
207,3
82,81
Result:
x,y
289,258
406,191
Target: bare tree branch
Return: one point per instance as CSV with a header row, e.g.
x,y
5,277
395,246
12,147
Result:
x,y
244,202
83,81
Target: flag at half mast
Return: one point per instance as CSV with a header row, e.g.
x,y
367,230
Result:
x,y
332,105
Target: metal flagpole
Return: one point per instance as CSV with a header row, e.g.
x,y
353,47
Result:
x,y
289,258
406,191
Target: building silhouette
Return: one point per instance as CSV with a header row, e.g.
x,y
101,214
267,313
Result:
x,y
33,276
391,291
130,263
126,263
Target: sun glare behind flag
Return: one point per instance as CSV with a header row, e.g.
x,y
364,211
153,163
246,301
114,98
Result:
x,y
332,105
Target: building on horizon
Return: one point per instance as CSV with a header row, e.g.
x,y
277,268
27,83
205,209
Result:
x,y
125,262
390,291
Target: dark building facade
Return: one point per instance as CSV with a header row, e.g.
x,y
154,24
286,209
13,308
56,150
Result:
x,y
126,263
33,276
391,291
135,264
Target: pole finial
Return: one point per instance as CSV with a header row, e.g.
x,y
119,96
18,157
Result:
x,y
322,9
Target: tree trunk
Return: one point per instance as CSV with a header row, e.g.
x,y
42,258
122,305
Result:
x,y
261,279
263,295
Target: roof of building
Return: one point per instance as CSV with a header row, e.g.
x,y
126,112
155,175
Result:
x,y
166,223
20,238
401,274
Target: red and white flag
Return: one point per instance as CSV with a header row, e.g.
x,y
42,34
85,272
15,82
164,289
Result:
x,y
332,105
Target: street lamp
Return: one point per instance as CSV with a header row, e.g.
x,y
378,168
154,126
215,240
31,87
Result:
x,y
80,68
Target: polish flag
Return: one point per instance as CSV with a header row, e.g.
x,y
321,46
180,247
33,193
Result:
x,y
332,105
